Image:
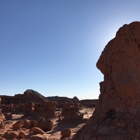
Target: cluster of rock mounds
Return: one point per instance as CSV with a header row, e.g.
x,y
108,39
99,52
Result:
x,y
32,103
36,127
45,109
35,97
117,112
37,116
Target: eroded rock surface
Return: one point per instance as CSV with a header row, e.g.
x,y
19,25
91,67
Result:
x,y
71,112
117,112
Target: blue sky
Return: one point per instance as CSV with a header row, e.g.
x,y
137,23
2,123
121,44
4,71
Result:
x,y
52,46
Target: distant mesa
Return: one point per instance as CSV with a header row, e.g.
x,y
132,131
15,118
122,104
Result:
x,y
117,112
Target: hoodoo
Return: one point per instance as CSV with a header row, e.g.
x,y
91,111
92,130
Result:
x,y
117,113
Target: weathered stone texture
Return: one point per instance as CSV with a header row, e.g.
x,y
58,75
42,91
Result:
x,y
117,112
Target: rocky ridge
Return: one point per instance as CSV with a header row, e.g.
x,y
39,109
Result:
x,y
28,96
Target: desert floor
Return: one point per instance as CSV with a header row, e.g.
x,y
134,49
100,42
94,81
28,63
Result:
x,y
55,133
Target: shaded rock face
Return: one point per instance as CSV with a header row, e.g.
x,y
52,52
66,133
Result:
x,y
117,112
18,125
8,107
28,109
46,125
71,112
65,133
44,109
10,134
68,107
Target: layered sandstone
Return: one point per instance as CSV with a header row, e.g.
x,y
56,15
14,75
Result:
x,y
117,112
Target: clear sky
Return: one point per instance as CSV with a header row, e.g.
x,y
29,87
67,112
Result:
x,y
52,46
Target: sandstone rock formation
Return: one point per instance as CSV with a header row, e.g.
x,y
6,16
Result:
x,y
65,133
27,124
8,116
117,112
71,112
7,108
28,96
21,135
18,125
69,107
10,135
44,109
46,125
39,120
37,130
28,109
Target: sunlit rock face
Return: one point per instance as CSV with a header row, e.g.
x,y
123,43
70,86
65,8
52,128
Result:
x,y
117,112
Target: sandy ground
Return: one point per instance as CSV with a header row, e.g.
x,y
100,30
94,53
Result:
x,y
54,134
